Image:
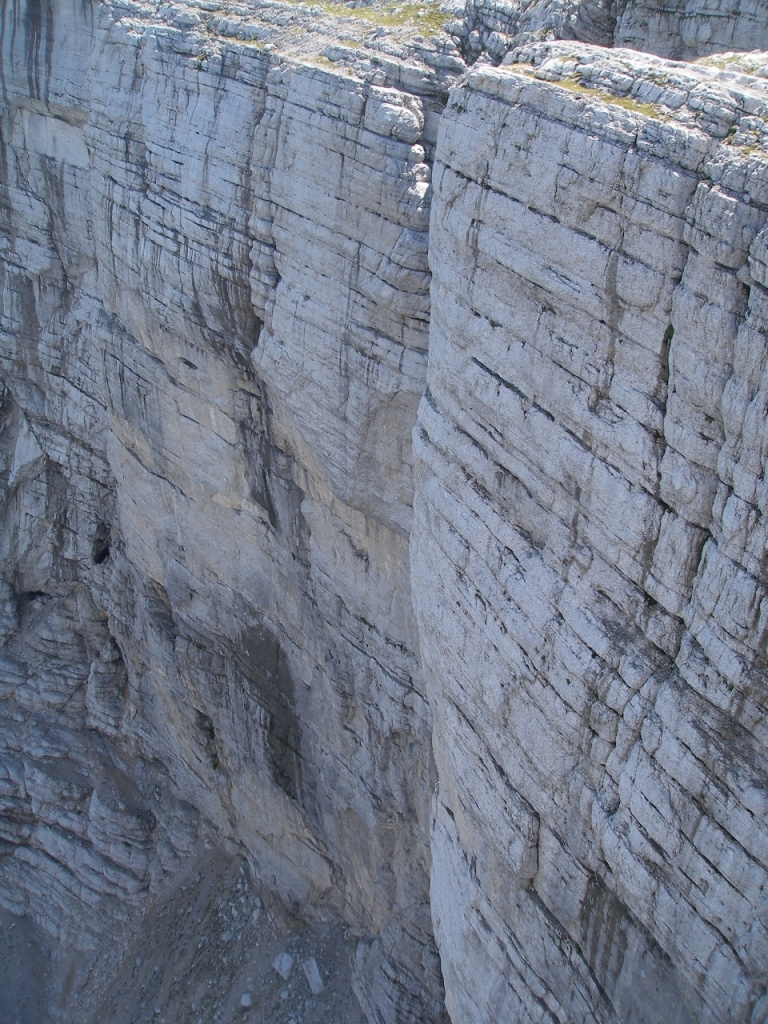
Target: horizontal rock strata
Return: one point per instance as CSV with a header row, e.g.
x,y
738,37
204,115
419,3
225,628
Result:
x,y
687,29
383,491
588,551
215,327
678,30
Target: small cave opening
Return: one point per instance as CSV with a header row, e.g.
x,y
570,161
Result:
x,y
100,548
26,598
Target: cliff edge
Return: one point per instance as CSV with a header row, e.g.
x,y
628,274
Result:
x,y
383,549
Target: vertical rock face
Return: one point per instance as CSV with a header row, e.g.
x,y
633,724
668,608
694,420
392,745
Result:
x,y
588,550
677,29
215,311
523,709
686,29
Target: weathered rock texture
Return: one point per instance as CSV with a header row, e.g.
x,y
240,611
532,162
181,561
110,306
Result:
x,y
215,312
678,29
589,546
216,266
686,29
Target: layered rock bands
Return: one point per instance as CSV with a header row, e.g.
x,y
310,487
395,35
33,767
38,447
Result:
x,y
383,452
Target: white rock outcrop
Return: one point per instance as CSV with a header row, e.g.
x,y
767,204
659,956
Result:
x,y
384,490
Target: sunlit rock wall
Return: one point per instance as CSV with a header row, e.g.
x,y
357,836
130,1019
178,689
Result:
x,y
588,551
527,716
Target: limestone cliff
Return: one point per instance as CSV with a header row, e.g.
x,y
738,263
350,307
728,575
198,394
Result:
x,y
676,29
215,322
448,614
589,515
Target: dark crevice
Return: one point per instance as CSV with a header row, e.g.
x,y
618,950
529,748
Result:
x,y
100,547
208,736
38,33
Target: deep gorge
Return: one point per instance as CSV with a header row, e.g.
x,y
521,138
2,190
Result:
x,y
384,487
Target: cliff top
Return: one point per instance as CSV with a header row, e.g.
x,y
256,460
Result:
x,y
325,32
443,37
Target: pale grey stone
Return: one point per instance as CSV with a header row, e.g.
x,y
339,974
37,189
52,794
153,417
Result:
x,y
283,964
312,974
383,490
581,626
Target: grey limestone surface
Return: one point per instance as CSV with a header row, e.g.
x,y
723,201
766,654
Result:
x,y
383,456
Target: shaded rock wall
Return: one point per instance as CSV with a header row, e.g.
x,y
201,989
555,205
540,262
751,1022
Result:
x,y
679,30
686,29
215,310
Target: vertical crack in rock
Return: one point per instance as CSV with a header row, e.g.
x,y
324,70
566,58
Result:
x,y
257,449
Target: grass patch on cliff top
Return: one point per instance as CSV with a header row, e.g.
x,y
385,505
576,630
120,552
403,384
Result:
x,y
741,63
427,17
652,110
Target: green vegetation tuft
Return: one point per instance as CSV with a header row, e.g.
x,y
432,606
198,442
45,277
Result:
x,y
652,110
427,18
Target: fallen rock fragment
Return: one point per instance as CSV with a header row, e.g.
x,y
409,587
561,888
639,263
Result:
x,y
283,964
312,974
